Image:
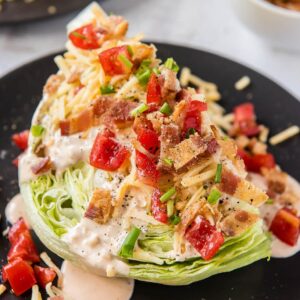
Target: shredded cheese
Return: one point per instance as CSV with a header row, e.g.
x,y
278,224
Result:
x,y
36,295
284,135
47,260
2,289
5,231
242,83
263,135
185,76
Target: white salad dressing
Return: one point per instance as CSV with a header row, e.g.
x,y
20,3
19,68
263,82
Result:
x,y
268,212
15,209
79,284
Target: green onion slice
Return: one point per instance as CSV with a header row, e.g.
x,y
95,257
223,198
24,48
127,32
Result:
x,y
124,60
166,109
37,130
270,201
144,71
107,89
170,208
218,174
168,194
156,71
130,51
190,132
168,161
171,64
174,220
129,242
139,110
214,196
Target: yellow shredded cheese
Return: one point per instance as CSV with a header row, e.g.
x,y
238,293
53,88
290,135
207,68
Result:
x,y
36,295
284,135
47,260
2,289
242,83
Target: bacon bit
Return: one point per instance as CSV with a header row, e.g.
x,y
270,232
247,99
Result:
x,y
276,179
170,137
183,94
169,85
187,151
212,146
141,122
141,52
237,222
229,182
42,166
100,208
53,83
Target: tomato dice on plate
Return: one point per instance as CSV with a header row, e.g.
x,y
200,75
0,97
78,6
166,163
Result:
x,y
86,37
16,230
149,139
245,119
44,275
204,238
107,154
154,90
116,61
192,118
146,169
158,208
285,226
21,139
254,163
20,275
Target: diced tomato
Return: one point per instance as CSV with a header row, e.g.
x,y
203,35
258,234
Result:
x,y
25,248
285,226
21,139
146,169
107,154
111,62
44,275
20,276
254,163
154,90
204,238
15,161
149,140
86,37
16,230
158,208
193,116
245,119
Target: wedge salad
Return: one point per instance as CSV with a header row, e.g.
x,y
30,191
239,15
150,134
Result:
x,y
130,173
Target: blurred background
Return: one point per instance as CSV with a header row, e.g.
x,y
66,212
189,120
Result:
x,y
253,32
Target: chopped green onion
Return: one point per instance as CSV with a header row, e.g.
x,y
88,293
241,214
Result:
x,y
174,220
166,109
143,78
124,60
107,89
144,71
37,130
170,208
270,201
79,35
218,174
171,64
214,196
139,110
168,161
156,71
129,49
168,194
190,132
129,242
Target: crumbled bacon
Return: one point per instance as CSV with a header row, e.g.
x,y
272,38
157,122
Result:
x,y
170,137
43,165
187,151
169,85
212,146
100,207
237,222
53,84
229,182
276,180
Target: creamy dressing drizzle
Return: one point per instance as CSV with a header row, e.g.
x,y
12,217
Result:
x,y
15,209
79,284
267,211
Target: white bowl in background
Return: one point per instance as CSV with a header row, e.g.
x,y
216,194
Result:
x,y
278,26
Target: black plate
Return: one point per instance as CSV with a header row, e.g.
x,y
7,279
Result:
x,y
19,11
277,279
